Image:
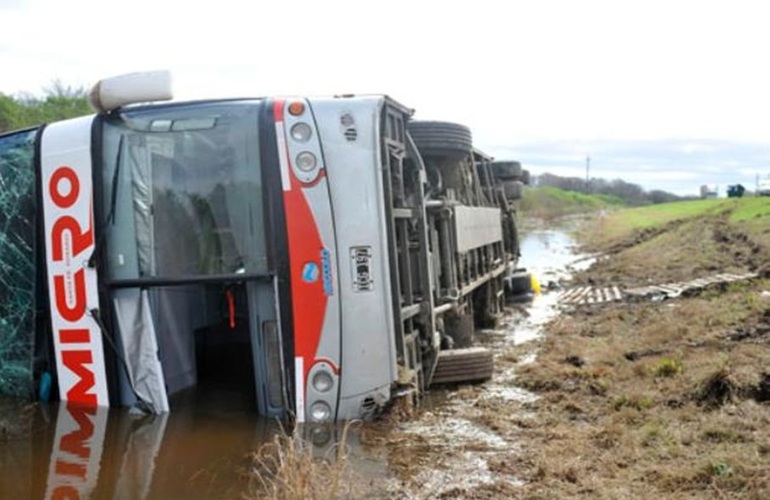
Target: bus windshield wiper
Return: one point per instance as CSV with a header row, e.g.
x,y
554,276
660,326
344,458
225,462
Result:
x,y
110,219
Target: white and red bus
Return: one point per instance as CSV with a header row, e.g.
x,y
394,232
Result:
x,y
322,254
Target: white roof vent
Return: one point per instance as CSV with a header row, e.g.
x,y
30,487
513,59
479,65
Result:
x,y
133,88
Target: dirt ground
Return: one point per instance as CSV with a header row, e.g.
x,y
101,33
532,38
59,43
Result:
x,y
653,399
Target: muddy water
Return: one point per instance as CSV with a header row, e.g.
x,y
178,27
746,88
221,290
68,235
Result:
x,y
201,448
551,256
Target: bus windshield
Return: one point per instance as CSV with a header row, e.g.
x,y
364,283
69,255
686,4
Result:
x,y
17,262
182,192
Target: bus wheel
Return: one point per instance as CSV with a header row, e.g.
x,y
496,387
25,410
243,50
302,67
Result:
x,y
473,364
519,282
433,137
512,190
507,170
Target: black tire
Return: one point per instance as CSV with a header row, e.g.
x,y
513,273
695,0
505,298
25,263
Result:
x,y
526,178
507,170
522,298
519,283
512,190
432,137
474,364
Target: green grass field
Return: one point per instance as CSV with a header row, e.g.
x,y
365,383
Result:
x,y
549,202
750,213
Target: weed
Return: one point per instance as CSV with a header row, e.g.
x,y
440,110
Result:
x,y
721,469
636,402
667,367
722,436
719,388
290,467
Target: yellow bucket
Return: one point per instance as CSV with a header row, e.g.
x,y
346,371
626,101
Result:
x,y
535,284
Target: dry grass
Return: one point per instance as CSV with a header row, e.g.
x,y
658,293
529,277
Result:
x,y
292,467
669,400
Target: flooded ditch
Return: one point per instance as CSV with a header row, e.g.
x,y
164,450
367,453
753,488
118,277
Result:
x,y
457,440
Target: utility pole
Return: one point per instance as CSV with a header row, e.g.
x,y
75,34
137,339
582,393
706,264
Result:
x,y
588,173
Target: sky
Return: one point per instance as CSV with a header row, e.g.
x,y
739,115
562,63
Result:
x,y
667,94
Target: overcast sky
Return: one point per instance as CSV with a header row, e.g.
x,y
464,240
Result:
x,y
668,94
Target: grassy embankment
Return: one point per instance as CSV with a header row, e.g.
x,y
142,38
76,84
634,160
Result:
x,y
658,399
549,203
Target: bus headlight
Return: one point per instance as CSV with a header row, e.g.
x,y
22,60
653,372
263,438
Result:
x,y
322,381
320,435
301,132
306,161
320,412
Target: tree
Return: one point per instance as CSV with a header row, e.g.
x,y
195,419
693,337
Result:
x,y
632,194
59,103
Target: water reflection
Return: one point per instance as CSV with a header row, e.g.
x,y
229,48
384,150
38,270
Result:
x,y
549,254
77,451
199,450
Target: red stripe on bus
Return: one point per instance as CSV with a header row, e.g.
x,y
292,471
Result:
x,y
305,246
278,110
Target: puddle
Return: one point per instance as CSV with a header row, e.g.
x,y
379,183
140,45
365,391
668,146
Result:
x,y
454,431
200,450
550,255
508,394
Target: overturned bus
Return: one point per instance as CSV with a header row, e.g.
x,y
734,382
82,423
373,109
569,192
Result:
x,y
327,254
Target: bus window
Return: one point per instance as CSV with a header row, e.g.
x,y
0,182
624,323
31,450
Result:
x,y
188,199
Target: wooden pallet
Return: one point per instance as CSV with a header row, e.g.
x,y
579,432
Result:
x,y
673,290
590,295
584,295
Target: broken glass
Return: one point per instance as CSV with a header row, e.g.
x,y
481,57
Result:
x,y
17,263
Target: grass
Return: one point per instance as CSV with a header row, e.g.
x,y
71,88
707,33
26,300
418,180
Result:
x,y
667,367
620,224
653,215
683,406
548,202
292,467
659,429
747,209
